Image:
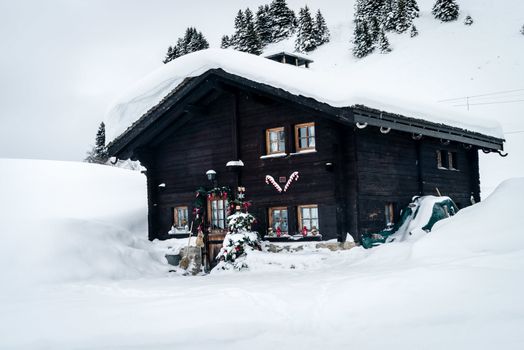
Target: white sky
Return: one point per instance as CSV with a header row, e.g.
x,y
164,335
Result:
x,y
63,62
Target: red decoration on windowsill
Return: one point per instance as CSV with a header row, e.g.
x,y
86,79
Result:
x,y
304,231
279,231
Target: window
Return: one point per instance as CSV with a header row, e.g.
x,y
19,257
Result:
x,y
278,219
389,211
217,213
308,217
447,160
305,136
275,140
180,219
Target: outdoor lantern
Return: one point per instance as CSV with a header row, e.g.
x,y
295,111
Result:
x,y
211,175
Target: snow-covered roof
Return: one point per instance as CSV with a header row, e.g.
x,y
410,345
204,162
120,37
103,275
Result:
x,y
328,87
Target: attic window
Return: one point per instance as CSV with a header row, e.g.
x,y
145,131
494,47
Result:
x,y
290,58
275,140
305,136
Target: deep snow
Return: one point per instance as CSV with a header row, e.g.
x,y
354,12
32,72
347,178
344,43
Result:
x,y
88,279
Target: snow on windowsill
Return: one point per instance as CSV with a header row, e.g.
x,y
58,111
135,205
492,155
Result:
x,y
273,155
306,151
235,163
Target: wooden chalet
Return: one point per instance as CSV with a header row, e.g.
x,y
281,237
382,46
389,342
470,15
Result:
x,y
357,166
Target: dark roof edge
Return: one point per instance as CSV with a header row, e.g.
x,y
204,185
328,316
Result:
x,y
374,117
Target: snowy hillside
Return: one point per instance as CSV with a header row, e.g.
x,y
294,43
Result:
x,y
446,61
77,273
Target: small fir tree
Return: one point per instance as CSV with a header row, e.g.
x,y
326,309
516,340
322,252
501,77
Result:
x,y
225,42
403,19
98,154
263,25
362,41
305,40
522,30
383,42
413,32
468,20
412,8
320,29
283,20
192,41
446,10
252,43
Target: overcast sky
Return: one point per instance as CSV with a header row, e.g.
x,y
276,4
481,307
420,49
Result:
x,y
64,61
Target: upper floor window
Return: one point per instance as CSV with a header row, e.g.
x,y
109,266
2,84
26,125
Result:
x,y
278,219
275,140
305,136
308,217
447,160
180,217
217,208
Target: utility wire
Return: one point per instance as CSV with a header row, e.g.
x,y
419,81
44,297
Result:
x,y
488,103
481,95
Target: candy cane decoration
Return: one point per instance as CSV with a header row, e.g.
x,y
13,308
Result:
x,y
269,179
293,177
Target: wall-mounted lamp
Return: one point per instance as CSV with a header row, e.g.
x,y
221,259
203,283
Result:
x,y
211,175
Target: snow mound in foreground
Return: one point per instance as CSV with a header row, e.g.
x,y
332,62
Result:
x,y
66,221
493,226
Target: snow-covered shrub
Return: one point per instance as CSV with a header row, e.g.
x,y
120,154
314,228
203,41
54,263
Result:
x,y
236,247
446,10
414,32
240,222
522,30
468,20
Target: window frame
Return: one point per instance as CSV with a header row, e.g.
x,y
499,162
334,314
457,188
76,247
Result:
x,y
268,140
300,218
389,214
176,218
298,148
447,160
270,217
210,211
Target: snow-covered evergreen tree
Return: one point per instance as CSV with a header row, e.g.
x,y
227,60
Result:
x,y
383,42
412,8
413,32
192,41
320,29
240,30
305,40
446,10
362,40
98,154
263,25
283,21
225,42
252,43
522,30
403,19
468,20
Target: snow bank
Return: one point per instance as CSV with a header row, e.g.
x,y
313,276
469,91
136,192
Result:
x,y
332,88
66,221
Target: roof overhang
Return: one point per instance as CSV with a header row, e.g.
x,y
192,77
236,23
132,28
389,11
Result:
x,y
193,89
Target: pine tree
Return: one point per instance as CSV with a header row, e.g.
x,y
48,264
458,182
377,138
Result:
x,y
522,30
252,43
362,41
414,32
468,20
98,154
225,42
305,40
263,25
240,30
283,20
402,17
320,29
192,41
412,8
446,10
388,15
383,42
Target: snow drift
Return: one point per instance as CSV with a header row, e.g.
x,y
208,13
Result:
x,y
66,221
